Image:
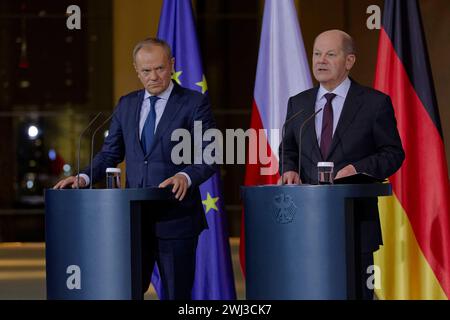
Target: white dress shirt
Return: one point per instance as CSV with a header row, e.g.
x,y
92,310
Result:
x,y
160,106
341,92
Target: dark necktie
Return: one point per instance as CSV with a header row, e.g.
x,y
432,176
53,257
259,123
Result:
x,y
327,126
148,132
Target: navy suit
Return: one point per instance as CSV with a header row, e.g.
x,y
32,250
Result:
x,y
182,220
366,137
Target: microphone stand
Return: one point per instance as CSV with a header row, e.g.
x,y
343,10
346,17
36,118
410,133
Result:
x,y
79,147
92,146
283,132
300,141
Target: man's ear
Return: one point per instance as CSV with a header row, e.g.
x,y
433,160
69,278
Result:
x,y
350,61
172,62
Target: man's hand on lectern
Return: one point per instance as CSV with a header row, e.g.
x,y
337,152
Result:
x,y
180,185
348,170
290,177
70,182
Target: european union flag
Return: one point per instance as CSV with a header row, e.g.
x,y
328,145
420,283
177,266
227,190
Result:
x,y
214,278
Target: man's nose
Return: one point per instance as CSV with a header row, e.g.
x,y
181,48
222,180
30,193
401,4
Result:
x,y
153,75
321,59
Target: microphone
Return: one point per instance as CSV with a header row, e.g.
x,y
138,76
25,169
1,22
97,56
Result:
x,y
300,140
283,132
92,144
79,147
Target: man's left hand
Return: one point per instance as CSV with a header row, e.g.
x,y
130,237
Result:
x,y
346,171
180,185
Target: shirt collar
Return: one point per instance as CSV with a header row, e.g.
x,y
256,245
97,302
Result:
x,y
341,90
163,95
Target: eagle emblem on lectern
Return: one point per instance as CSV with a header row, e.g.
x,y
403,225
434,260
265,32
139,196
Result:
x,y
285,208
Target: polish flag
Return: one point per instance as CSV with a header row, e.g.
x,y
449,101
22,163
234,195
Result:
x,y
282,72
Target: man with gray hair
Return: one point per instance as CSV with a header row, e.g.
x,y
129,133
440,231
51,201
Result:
x,y
140,132
356,130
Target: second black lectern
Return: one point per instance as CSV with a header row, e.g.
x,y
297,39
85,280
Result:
x,y
93,242
299,240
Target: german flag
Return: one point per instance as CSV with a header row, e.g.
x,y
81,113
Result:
x,y
415,258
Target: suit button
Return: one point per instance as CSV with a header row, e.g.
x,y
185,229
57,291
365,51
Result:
x,y
145,162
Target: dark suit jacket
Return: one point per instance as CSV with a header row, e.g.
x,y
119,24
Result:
x,y
181,219
366,137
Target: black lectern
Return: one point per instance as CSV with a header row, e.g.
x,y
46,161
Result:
x,y
93,242
299,240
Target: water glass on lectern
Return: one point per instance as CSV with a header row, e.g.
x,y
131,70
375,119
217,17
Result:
x,y
325,172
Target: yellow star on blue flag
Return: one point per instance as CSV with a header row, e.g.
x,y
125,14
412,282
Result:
x,y
210,203
202,84
176,76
